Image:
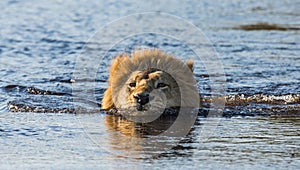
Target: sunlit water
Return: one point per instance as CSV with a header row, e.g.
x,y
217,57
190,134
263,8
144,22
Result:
x,y
258,45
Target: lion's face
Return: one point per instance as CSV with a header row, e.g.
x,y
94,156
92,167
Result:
x,y
149,90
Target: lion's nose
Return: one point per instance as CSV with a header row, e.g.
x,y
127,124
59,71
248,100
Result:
x,y
142,99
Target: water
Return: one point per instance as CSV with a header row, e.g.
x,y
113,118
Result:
x,y
258,46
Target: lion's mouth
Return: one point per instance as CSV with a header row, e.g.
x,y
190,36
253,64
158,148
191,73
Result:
x,y
144,107
141,107
151,106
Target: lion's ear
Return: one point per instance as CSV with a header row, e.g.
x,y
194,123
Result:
x,y
190,64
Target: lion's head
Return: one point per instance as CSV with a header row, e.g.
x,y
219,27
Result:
x,y
149,80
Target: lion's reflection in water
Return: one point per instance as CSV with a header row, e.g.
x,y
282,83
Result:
x,y
141,130
141,140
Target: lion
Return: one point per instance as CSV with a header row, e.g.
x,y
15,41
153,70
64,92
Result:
x,y
149,80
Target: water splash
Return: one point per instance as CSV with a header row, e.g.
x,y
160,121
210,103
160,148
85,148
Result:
x,y
263,99
258,104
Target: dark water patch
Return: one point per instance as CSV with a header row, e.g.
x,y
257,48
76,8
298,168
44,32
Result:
x,y
262,26
8,131
62,80
13,88
33,90
70,47
28,134
262,110
99,91
11,40
242,49
56,41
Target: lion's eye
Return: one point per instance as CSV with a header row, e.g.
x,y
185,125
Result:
x,y
132,84
161,85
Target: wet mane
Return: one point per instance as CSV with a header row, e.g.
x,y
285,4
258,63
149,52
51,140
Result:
x,y
124,65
